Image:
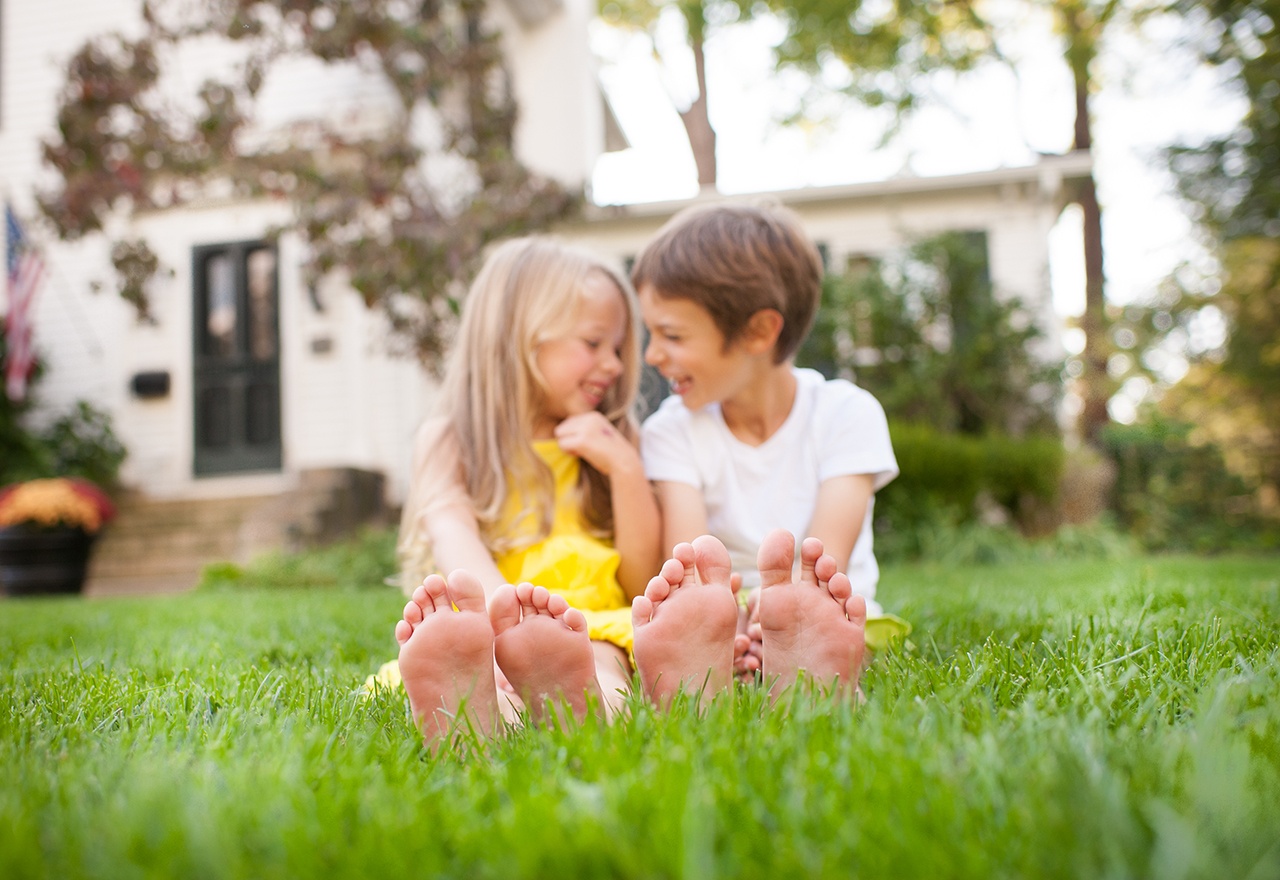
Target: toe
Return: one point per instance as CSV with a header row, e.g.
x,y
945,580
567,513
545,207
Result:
x,y
839,587
412,614
855,608
539,599
573,618
685,556
504,609
524,595
465,591
403,630
712,561
658,588
642,608
776,556
557,605
810,556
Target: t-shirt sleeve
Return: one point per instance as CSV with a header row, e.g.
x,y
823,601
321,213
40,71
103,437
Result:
x,y
666,446
855,435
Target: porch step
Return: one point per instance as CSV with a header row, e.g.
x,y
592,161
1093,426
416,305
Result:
x,y
156,546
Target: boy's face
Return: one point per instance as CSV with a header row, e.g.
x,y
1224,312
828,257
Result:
x,y
688,349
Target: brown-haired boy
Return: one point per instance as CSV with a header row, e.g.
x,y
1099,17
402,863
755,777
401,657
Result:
x,y
747,442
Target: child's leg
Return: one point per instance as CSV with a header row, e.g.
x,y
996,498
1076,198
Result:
x,y
685,623
542,646
446,658
814,624
613,673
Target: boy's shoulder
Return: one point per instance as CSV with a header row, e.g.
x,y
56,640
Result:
x,y
815,386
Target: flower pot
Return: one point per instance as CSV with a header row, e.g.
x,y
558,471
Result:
x,y
37,560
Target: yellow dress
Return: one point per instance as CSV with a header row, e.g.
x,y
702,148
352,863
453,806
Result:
x,y
569,561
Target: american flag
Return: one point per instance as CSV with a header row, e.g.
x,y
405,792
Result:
x,y
25,271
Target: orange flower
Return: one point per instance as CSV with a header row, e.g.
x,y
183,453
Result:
x,y
67,501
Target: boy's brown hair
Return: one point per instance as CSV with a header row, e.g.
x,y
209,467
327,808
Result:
x,y
734,260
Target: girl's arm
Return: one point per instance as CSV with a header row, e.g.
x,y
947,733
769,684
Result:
x,y
839,512
636,521
438,506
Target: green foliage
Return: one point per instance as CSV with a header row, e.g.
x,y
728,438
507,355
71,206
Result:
x,y
1115,719
79,443
368,199
1234,181
1173,494
946,478
365,561
1232,185
889,50
82,443
927,336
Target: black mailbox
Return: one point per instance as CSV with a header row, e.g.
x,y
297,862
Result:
x,y
151,384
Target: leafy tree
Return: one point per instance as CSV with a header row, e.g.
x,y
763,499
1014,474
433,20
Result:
x,y
404,221
926,334
1232,395
889,51
700,18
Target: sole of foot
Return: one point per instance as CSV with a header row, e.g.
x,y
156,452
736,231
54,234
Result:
x,y
812,628
685,624
446,658
542,647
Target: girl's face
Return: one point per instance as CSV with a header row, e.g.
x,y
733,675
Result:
x,y
580,366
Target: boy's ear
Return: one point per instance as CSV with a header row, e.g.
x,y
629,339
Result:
x,y
762,330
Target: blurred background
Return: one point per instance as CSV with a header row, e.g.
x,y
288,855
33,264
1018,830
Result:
x,y
238,234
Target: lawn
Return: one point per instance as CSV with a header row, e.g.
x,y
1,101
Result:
x,y
1075,719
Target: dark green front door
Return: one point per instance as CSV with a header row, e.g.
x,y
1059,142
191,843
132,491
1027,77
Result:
x,y
237,358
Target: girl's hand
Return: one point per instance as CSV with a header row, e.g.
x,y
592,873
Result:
x,y
592,438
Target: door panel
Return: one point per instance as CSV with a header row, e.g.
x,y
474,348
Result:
x,y
237,360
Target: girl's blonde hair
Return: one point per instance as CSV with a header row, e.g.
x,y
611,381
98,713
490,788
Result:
x,y
526,294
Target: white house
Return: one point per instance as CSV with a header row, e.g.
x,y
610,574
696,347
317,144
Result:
x,y
328,394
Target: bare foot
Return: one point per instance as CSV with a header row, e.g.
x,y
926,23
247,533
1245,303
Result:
x,y
446,657
542,647
813,625
747,646
686,622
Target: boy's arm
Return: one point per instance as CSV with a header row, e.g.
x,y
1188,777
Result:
x,y
684,513
839,512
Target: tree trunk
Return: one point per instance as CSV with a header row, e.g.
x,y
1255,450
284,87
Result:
x,y
697,122
1096,385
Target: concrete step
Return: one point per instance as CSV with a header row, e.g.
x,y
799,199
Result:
x,y
161,546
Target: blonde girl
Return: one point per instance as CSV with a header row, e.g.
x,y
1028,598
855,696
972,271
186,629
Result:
x,y
529,473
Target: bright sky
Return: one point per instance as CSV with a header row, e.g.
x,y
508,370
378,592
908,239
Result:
x,y
1149,99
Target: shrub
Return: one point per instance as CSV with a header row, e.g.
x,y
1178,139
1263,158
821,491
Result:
x,y
367,560
947,478
1176,495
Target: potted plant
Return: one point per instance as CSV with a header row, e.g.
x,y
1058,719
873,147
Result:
x,y
47,528
54,498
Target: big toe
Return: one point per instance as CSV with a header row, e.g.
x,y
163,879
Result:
x,y
465,591
712,560
775,557
504,609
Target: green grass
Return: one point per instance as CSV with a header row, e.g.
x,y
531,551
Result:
x,y
1082,719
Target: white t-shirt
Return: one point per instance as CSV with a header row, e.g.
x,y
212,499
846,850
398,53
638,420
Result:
x,y
834,429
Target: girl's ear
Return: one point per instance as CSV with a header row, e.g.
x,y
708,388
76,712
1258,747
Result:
x,y
761,333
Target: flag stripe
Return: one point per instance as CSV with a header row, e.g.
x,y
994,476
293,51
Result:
x,y
25,272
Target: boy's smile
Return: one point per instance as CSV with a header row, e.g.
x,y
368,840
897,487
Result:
x,y
687,348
